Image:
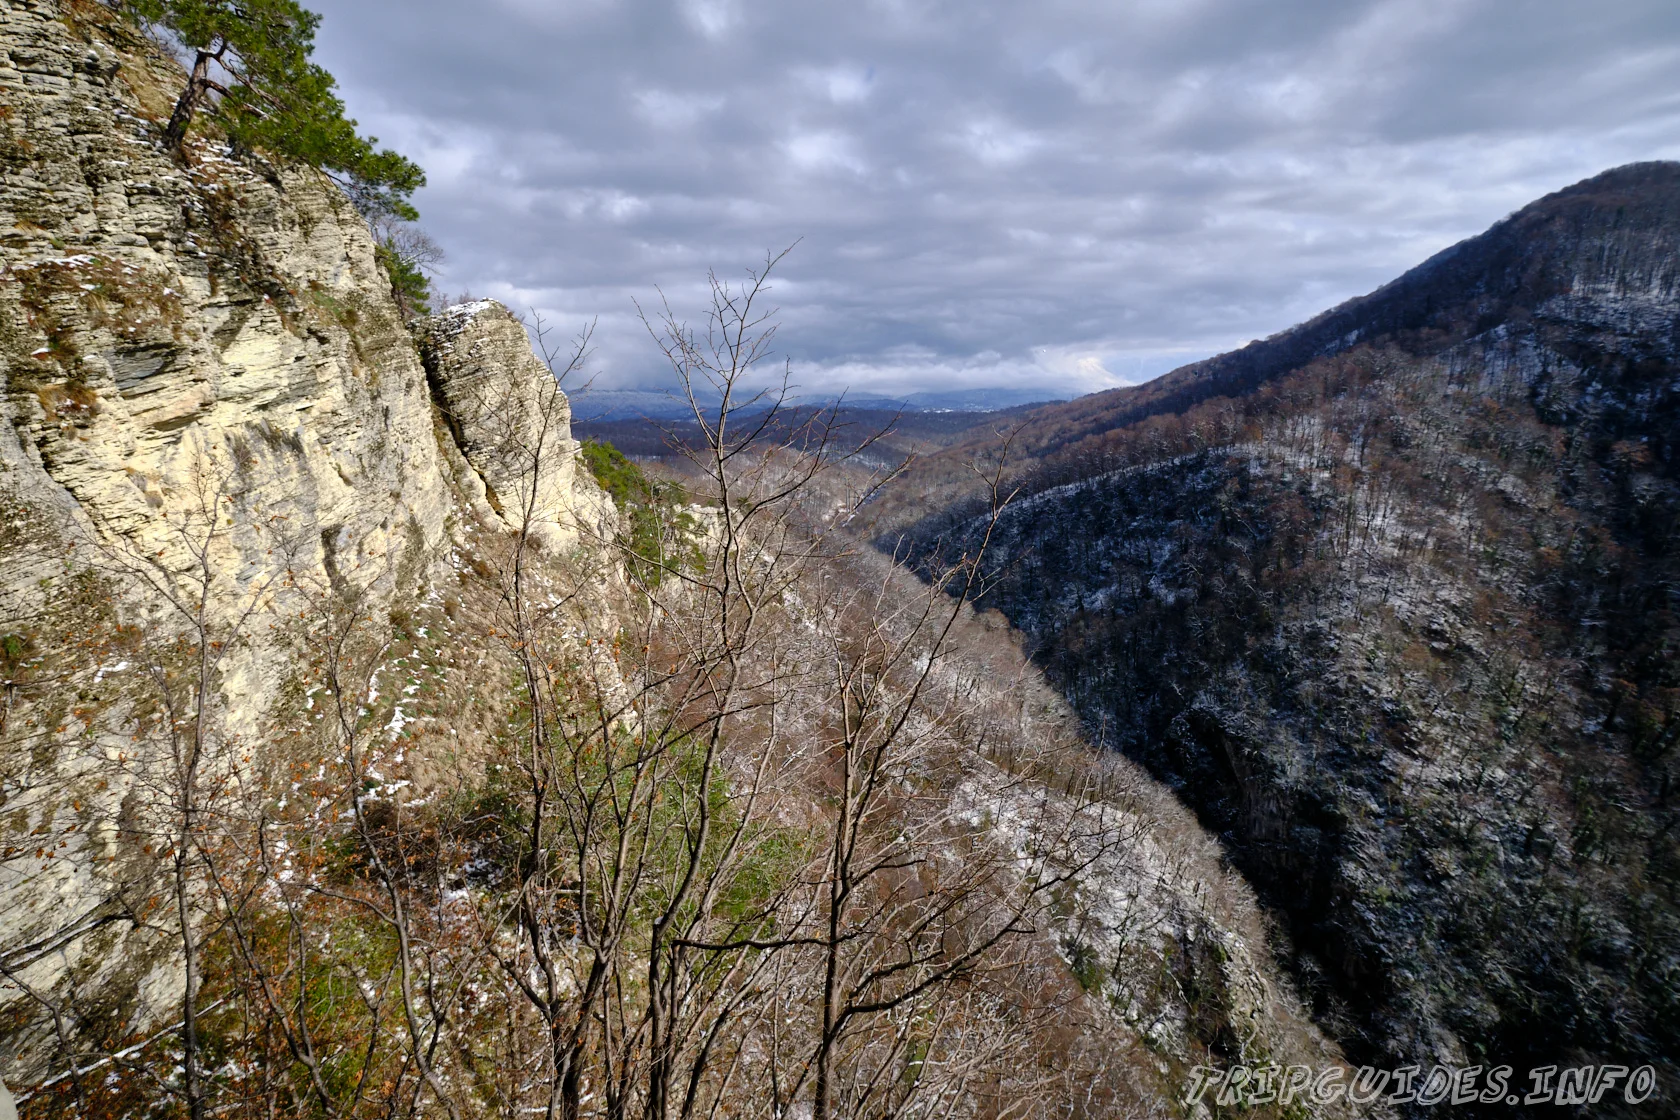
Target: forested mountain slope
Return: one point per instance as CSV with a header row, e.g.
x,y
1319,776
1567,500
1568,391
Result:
x,y
1390,599
1589,263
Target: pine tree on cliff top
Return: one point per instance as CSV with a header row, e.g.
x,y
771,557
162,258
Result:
x,y
251,67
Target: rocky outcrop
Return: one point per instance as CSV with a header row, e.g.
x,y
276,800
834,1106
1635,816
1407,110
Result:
x,y
167,327
201,371
512,421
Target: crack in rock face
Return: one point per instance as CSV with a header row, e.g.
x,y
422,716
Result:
x,y
512,422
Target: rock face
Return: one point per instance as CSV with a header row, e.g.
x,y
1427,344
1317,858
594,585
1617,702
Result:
x,y
201,365
163,326
513,423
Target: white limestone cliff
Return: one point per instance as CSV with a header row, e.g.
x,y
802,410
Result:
x,y
512,421
200,349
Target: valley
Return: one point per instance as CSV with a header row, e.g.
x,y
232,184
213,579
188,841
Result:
x,y
388,733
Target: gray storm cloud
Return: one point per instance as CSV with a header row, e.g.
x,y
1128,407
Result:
x,y
1062,195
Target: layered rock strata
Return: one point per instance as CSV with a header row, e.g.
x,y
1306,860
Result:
x,y
512,421
203,377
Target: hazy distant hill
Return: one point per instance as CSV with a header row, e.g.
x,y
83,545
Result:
x,y
1390,599
637,404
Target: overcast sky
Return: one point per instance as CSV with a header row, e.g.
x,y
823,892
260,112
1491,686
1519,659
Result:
x,y
1063,195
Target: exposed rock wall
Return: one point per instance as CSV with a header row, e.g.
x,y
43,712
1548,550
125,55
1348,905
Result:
x,y
513,422
191,350
160,322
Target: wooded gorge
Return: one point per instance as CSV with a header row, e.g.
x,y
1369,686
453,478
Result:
x,y
373,747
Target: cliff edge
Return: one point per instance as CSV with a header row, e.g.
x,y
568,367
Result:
x,y
206,391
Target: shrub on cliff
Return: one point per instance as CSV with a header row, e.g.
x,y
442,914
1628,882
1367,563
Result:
x,y
408,255
658,533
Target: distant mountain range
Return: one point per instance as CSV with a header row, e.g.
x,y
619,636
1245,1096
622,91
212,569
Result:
x,y
631,404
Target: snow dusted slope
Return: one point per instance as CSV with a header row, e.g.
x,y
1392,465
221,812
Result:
x,y
1393,612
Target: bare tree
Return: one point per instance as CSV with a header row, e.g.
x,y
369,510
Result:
x,y
892,920
714,824
182,762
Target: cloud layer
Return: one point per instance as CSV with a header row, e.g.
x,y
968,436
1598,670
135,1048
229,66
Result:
x,y
1070,194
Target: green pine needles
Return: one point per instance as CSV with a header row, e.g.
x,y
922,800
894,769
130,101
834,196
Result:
x,y
410,286
251,68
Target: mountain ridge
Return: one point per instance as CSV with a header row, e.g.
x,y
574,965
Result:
x,y
1388,603
1485,274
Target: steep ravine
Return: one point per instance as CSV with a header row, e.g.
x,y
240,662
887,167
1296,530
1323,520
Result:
x,y
207,387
